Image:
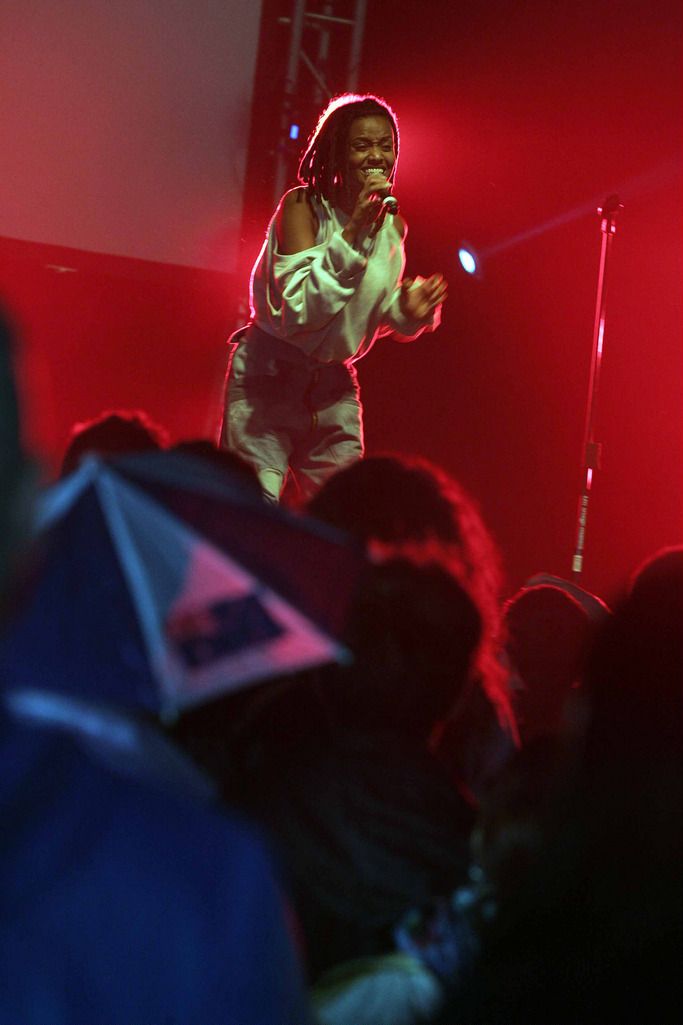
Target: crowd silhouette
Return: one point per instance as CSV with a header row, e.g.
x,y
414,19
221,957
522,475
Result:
x,y
471,815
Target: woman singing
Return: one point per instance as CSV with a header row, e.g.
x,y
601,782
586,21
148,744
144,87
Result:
x,y
327,283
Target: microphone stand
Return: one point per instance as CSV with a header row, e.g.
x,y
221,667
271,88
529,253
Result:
x,y
592,449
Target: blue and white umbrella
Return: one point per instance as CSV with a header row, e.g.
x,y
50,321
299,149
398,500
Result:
x,y
163,583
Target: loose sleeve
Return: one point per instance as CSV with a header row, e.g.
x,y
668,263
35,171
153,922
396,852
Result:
x,y
307,290
395,322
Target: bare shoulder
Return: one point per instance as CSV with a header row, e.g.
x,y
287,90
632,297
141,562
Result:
x,y
296,223
296,197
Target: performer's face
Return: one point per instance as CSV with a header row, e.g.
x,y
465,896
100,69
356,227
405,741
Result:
x,y
370,148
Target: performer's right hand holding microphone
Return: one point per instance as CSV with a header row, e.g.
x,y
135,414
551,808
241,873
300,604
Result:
x,y
373,204
419,296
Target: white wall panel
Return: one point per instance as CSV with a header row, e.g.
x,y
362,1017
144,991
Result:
x,y
124,125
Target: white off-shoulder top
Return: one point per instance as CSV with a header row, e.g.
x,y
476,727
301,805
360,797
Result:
x,y
333,301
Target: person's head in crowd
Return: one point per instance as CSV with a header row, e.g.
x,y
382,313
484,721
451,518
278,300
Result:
x,y
397,503
548,633
222,459
635,672
114,432
413,631
658,576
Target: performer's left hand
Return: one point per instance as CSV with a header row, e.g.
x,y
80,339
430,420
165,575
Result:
x,y
419,296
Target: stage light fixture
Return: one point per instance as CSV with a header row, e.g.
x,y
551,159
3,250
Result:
x,y
468,260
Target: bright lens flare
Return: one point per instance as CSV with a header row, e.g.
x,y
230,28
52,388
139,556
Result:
x,y
467,261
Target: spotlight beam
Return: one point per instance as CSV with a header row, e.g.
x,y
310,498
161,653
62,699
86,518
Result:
x,y
646,182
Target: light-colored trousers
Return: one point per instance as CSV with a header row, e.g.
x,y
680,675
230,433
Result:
x,y
284,411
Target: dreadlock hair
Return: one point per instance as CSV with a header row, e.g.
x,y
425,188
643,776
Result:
x,y
322,164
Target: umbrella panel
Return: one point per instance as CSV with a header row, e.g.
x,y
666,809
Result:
x,y
135,606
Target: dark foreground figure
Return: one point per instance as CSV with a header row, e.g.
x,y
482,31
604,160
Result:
x,y
121,902
581,855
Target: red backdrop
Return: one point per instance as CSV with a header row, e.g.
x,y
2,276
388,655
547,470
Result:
x,y
516,120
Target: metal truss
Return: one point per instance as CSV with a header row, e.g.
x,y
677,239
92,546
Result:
x,y
323,59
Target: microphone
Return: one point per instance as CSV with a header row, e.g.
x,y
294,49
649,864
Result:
x,y
389,202
390,205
